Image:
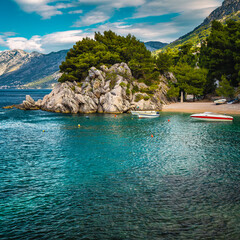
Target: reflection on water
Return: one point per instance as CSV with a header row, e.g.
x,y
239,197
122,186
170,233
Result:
x,y
109,179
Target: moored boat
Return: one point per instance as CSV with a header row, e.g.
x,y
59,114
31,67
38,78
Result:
x,y
147,115
208,116
143,112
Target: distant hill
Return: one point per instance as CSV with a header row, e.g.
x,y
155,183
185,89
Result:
x,y
19,68
12,60
154,45
230,9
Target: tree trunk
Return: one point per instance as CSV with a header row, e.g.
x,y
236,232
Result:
x,y
181,96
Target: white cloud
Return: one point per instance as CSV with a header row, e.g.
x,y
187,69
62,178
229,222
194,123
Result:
x,y
76,12
104,10
2,42
59,38
157,8
42,7
33,44
93,17
114,4
145,32
4,36
47,43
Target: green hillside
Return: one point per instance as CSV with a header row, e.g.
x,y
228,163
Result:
x,y
198,34
43,83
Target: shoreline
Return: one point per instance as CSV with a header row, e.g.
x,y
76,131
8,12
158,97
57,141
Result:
x,y
197,107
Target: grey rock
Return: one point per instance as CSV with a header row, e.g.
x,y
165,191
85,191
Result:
x,y
94,94
30,100
228,7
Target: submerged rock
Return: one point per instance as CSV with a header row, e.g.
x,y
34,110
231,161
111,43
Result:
x,y
109,90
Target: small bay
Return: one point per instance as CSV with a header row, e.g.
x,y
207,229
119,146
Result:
x,y
110,179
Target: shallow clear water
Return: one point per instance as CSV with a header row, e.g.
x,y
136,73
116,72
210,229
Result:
x,y
109,179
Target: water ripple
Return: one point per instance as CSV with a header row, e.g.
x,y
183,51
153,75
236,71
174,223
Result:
x,y
109,179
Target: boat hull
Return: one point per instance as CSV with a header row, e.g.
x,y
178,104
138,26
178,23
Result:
x,y
142,112
212,117
220,101
148,116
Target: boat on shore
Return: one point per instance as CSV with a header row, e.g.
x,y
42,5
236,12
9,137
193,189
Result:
x,y
208,116
220,101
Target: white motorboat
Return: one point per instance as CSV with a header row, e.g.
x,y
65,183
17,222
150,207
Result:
x,y
208,116
143,112
220,101
147,115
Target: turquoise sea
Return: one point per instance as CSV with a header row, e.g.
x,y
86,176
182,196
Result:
x,y
109,179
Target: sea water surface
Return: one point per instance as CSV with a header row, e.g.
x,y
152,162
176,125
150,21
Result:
x,y
109,179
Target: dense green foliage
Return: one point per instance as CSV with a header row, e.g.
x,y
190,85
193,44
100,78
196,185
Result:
x,y
107,49
164,61
221,53
225,89
197,70
183,63
190,80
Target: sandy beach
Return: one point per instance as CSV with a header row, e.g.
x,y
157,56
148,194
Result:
x,y
197,107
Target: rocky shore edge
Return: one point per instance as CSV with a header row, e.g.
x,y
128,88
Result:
x,y
108,90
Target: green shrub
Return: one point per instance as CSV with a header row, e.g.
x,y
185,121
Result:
x,y
122,84
124,75
146,98
135,88
113,79
139,97
79,84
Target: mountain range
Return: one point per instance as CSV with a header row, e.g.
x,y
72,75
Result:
x,y
154,45
19,69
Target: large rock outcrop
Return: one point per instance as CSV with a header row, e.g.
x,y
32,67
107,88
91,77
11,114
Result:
x,y
228,7
108,90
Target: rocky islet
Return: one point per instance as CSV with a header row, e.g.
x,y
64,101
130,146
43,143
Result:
x,y
105,90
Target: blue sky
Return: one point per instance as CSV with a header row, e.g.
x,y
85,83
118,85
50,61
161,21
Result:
x,y
52,25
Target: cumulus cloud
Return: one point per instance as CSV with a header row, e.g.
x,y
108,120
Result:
x,y
4,36
42,7
47,43
33,44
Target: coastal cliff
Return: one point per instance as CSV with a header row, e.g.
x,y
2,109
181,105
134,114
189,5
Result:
x,y
105,90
